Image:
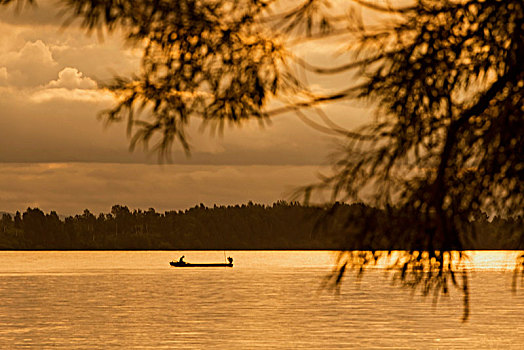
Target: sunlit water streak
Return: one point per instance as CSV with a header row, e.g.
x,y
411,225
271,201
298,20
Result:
x,y
100,300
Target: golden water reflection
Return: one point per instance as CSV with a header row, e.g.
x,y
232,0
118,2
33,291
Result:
x,y
269,300
472,260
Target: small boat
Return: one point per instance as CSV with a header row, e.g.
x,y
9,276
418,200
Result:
x,y
184,264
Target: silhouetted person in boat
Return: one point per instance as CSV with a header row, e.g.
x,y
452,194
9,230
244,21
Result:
x,y
181,260
230,259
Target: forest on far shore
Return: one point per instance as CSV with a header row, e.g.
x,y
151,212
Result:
x,y
281,226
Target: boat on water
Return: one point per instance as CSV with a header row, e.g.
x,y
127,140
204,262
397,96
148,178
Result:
x,y
182,263
185,264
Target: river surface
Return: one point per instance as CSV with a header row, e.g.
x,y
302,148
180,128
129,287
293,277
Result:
x,y
269,300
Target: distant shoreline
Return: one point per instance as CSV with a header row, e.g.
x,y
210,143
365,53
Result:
x,y
281,226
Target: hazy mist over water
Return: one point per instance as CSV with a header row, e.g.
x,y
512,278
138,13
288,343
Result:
x,y
100,300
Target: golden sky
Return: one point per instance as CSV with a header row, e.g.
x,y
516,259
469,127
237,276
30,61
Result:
x,y
56,154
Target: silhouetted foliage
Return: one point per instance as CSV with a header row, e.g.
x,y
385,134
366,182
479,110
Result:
x,y
287,226
444,77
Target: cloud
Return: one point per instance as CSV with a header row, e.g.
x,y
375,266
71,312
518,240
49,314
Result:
x,y
61,125
71,85
69,47
50,102
31,65
78,95
36,52
71,78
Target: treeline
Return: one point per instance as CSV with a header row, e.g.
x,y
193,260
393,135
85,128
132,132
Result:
x,y
249,226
